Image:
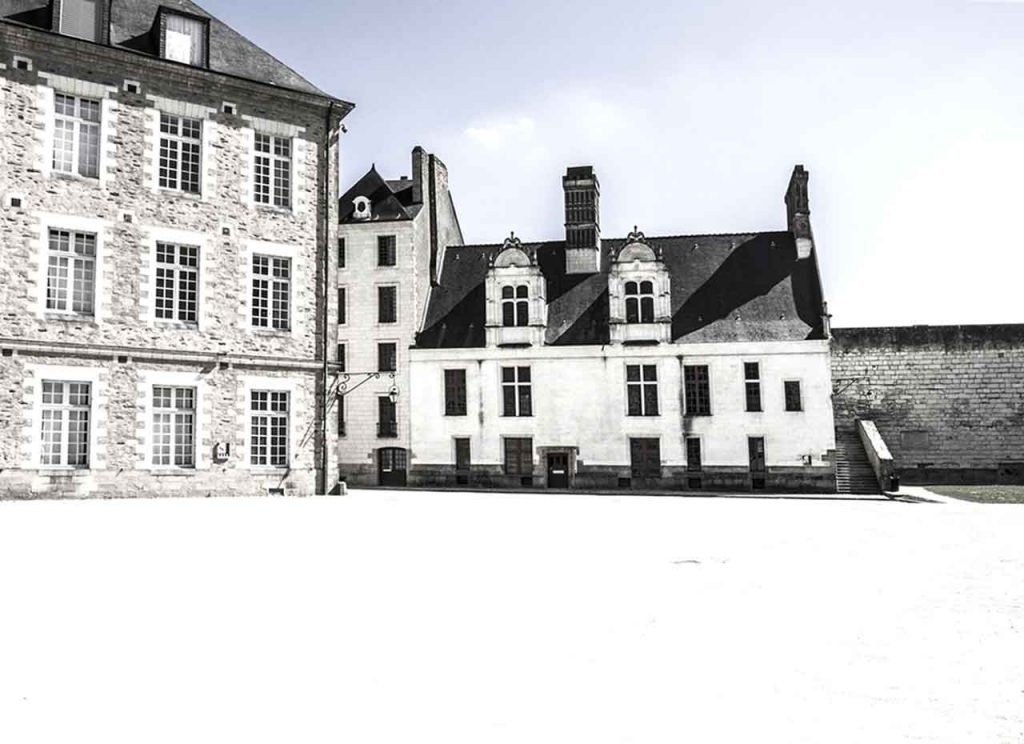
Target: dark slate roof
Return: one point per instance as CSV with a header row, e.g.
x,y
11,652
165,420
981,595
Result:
x,y
132,27
749,287
389,200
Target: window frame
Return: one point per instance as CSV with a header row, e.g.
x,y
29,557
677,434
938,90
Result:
x,y
387,427
101,23
456,392
690,401
517,469
515,305
164,160
175,413
387,251
77,263
521,391
266,459
639,303
272,285
77,124
698,466
752,399
381,288
64,409
273,177
165,14
382,347
647,407
799,396
179,272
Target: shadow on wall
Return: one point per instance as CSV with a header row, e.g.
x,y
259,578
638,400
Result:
x,y
751,271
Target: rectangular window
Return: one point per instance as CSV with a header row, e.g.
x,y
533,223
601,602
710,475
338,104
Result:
x,y
341,414
273,171
342,297
76,136
341,357
71,273
698,390
185,39
341,253
794,400
463,459
455,392
387,357
174,427
81,19
516,395
177,282
181,150
518,456
752,376
269,428
387,304
694,462
271,292
387,417
642,389
387,251
66,410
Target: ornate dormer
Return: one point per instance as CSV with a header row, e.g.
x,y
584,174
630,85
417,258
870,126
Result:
x,y
639,292
361,211
517,307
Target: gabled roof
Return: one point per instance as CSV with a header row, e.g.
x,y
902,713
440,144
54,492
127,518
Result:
x,y
132,27
389,200
744,287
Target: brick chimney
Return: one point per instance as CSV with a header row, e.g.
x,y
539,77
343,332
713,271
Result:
x,y
582,220
798,212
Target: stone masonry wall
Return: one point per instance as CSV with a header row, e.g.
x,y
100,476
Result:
x,y
949,401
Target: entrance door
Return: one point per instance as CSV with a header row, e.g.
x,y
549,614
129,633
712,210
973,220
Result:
x,y
558,470
758,468
463,463
392,463
645,461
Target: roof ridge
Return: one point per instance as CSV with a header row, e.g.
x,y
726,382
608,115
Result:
x,y
649,237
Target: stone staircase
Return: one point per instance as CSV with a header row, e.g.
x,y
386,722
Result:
x,y
853,470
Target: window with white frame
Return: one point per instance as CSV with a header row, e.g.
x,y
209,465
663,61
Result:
x,y
515,306
76,135
66,410
269,429
639,302
516,392
71,273
752,382
181,153
271,292
177,282
273,171
642,389
174,426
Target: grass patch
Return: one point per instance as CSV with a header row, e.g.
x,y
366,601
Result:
x,y
983,494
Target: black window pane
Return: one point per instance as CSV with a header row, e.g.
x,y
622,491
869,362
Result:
x,y
525,401
508,394
651,400
634,400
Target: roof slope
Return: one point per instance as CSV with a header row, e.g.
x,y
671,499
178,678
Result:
x,y
389,200
131,27
744,287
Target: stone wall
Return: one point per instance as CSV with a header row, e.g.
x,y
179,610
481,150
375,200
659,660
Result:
x,y
948,401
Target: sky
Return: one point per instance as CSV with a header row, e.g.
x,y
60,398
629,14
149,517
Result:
x,y
908,115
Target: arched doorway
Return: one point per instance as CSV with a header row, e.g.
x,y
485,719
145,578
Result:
x,y
392,466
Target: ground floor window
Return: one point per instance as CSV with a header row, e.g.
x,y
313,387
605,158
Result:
x,y
518,456
174,426
269,428
66,411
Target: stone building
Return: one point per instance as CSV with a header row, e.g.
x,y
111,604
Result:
x,y
391,243
167,197
679,363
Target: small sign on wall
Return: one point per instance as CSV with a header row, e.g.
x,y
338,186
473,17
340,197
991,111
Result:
x,y
221,452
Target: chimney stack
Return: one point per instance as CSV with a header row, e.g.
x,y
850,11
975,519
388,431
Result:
x,y
798,212
582,220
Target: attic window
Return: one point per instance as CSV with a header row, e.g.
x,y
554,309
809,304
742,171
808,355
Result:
x,y
184,39
82,19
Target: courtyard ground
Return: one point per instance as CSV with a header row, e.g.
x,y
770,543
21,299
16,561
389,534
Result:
x,y
511,619
983,494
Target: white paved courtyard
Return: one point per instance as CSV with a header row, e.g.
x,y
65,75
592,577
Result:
x,y
510,619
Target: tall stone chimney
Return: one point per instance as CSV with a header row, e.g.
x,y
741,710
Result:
x,y
798,212
582,220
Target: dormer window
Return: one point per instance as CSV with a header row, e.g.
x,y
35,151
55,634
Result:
x,y
515,306
361,208
639,302
184,39
82,19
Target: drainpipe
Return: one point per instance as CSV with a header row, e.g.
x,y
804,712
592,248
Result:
x,y
325,405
